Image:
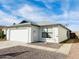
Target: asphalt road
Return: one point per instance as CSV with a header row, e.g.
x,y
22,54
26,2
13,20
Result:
x,y
21,52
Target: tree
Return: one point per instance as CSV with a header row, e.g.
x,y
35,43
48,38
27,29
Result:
x,y
14,23
24,21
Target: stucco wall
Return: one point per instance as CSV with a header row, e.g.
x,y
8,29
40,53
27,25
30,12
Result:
x,y
62,34
57,34
29,32
5,30
35,36
54,34
8,34
77,34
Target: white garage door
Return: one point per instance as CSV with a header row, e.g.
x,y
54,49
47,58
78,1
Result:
x,y
19,35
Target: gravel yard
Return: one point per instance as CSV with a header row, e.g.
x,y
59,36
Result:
x,y
21,52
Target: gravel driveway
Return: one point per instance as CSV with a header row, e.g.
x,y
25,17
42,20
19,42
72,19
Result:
x,y
21,52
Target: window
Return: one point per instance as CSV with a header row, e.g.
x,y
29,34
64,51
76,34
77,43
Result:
x,y
44,35
47,33
44,29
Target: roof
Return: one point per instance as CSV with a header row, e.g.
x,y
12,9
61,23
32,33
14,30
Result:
x,y
55,25
39,25
47,23
64,27
43,23
2,26
24,21
23,24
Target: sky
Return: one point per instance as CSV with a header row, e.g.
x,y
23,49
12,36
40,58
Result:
x,y
64,12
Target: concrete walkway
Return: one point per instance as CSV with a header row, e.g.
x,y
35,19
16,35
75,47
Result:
x,y
7,44
74,52
63,49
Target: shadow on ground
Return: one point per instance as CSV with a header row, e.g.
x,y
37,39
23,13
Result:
x,y
70,41
12,54
44,44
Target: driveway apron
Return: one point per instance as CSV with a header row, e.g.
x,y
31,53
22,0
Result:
x,y
74,52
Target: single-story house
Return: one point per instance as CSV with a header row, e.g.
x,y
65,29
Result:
x,y
77,34
2,32
30,32
3,28
74,35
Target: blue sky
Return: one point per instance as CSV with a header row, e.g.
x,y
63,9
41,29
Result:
x,y
55,11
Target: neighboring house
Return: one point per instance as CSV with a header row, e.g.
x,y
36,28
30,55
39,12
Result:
x,y
77,34
2,28
31,32
2,31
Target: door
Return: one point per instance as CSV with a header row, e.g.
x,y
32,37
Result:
x,y
55,35
19,35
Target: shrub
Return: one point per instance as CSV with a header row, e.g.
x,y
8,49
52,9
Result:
x,y
2,34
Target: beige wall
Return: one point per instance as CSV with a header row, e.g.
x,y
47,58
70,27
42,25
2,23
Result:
x,y
62,34
33,33
35,36
5,30
77,34
57,34
53,34
29,32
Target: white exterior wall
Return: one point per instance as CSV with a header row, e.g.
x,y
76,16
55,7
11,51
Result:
x,y
54,35
62,34
5,30
40,34
35,33
27,28
8,34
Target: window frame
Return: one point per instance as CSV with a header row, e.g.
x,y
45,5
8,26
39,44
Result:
x,y
45,34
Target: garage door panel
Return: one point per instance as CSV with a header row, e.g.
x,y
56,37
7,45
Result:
x,y
19,35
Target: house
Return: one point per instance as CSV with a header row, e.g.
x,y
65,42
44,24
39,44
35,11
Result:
x,y
2,32
31,32
77,34
2,28
74,35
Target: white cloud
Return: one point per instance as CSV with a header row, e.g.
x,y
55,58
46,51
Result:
x,y
36,15
27,8
32,13
47,3
74,15
7,18
74,27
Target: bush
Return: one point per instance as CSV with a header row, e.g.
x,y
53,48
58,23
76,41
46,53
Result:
x,y
2,34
